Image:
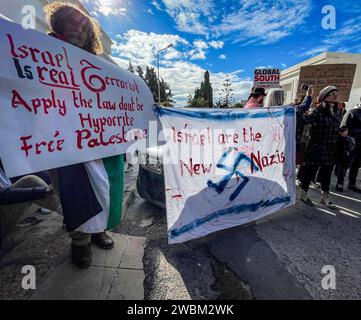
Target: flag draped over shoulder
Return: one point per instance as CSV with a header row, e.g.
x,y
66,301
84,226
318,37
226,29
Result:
x,y
92,193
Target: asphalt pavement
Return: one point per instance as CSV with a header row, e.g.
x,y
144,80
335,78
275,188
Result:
x,y
278,257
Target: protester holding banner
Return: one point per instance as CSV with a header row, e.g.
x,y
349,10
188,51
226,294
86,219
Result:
x,y
83,187
321,152
256,98
302,104
274,98
352,120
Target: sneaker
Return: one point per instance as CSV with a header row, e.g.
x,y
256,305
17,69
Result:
x,y
326,201
354,188
339,187
305,199
81,255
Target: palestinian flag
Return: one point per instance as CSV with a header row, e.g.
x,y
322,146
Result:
x,y
91,194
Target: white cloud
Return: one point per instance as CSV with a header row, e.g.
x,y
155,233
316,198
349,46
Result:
x,y
222,57
105,7
216,44
344,39
314,51
189,15
156,5
248,21
200,44
141,47
241,86
112,11
197,55
199,50
183,76
265,67
201,47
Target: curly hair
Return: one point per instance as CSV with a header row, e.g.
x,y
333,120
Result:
x,y
57,12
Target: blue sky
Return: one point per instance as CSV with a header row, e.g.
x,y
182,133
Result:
x,y
227,37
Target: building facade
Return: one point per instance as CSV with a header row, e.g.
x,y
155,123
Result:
x,y
16,13
290,76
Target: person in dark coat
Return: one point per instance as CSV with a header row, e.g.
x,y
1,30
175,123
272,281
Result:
x,y
345,151
352,120
302,104
321,151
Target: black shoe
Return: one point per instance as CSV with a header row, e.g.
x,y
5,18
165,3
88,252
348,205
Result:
x,y
81,255
339,187
354,188
102,240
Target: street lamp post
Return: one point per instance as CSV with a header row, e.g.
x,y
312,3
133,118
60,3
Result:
x,y
170,45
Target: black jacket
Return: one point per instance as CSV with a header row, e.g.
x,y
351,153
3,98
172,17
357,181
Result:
x,y
345,151
325,121
11,195
352,120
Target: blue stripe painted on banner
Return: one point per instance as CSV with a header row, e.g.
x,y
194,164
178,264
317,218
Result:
x,y
226,115
224,212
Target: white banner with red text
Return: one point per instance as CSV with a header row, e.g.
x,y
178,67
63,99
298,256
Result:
x,y
225,168
61,105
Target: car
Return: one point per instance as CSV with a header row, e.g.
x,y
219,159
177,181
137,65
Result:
x,y
150,181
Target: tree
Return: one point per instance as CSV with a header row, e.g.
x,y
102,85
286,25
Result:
x,y
165,94
151,80
226,100
140,72
203,96
206,91
130,68
197,103
238,105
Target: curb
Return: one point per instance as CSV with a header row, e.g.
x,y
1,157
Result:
x,y
130,187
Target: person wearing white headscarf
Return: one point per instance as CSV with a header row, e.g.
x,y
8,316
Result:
x,y
275,97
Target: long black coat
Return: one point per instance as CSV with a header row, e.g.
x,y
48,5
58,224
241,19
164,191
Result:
x,y
322,147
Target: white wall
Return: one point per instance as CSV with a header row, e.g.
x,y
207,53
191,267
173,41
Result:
x,y
290,76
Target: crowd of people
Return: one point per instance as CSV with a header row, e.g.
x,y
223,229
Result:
x,y
328,139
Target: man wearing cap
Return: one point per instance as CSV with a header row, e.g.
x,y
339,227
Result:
x,y
352,120
321,151
256,98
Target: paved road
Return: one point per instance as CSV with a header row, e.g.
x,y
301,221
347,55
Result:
x,y
278,257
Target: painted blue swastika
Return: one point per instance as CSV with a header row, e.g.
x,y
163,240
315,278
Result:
x,y
176,232
219,188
